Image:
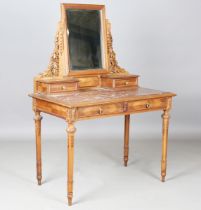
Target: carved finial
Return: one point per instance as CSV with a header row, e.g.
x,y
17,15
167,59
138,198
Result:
x,y
113,64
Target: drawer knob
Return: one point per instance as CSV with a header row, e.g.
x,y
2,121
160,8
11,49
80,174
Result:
x,y
63,87
100,111
126,83
147,106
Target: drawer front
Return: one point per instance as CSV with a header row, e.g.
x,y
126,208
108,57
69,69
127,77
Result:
x,y
88,82
119,82
89,111
112,108
124,82
146,105
62,87
106,82
100,110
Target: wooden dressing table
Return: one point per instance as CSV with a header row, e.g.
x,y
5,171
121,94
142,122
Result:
x,y
83,81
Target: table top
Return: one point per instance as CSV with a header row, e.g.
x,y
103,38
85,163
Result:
x,y
99,95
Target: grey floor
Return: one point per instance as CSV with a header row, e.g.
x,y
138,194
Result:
x,y
100,180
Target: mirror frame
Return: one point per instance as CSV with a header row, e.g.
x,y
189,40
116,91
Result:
x,y
104,48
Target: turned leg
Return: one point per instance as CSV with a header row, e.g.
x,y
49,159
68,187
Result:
x,y
38,119
71,131
165,117
126,138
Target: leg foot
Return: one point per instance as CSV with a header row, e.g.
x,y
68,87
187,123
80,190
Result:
x,y
39,182
162,178
69,201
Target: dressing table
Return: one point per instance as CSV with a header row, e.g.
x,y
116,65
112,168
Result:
x,y
84,81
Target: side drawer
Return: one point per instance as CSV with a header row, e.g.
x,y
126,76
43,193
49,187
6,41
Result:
x,y
124,82
56,85
150,104
62,87
117,81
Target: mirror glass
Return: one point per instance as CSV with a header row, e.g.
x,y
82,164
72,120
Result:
x,y
84,39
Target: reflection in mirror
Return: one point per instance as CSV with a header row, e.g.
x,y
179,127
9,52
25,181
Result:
x,y
84,39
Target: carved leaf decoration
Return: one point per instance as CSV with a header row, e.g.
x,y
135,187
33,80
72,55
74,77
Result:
x,y
53,69
113,64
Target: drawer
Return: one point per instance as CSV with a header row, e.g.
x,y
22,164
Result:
x,y
56,85
144,105
100,110
124,82
112,108
116,81
62,87
89,111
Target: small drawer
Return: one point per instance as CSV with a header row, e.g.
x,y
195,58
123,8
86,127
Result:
x,y
56,85
63,87
116,81
144,105
124,82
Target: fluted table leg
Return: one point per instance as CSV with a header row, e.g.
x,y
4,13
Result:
x,y
38,119
71,131
126,138
165,117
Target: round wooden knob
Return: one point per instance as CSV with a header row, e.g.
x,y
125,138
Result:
x,y
147,106
126,83
63,87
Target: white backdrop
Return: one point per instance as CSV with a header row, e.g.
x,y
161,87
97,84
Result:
x,y
160,40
